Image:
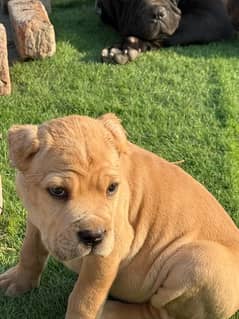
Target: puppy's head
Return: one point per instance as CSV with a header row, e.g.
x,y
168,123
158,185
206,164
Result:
x,y
70,180
154,19
146,19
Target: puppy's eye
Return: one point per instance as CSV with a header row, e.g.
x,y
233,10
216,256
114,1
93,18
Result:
x,y
58,192
112,188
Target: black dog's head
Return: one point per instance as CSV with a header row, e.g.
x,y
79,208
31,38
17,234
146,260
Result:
x,y
146,19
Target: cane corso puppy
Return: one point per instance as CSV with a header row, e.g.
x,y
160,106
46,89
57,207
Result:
x,y
150,24
131,224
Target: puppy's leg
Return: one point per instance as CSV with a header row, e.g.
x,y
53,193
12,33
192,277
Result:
x,y
26,274
92,287
120,310
201,282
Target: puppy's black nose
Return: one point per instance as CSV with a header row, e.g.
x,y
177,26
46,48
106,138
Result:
x,y
159,12
91,238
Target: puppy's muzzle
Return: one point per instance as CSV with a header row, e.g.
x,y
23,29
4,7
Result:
x,y
91,238
158,13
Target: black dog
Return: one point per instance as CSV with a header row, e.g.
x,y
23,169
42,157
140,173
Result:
x,y
150,24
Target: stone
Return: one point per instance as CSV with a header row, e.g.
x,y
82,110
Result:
x,y
5,83
34,34
4,5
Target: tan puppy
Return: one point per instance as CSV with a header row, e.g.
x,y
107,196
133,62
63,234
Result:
x,y
130,223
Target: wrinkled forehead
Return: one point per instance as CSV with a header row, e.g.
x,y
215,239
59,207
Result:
x,y
76,144
149,3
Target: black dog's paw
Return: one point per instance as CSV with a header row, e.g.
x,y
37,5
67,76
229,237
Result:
x,y
114,55
118,56
133,43
123,53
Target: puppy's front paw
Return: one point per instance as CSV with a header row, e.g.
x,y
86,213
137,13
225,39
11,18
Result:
x,y
119,56
114,55
73,316
76,315
16,281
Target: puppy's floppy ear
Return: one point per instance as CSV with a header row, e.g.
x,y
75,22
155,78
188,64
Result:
x,y
113,124
23,143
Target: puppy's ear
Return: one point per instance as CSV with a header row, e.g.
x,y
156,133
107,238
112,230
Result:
x,y
23,143
113,124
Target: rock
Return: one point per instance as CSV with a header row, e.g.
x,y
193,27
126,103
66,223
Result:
x,y
5,83
4,4
33,32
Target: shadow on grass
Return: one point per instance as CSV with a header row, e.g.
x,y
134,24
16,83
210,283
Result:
x,y
77,23
223,49
70,4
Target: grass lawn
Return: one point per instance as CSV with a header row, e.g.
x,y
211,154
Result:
x,y
182,103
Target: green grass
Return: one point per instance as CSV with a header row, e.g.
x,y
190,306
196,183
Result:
x,y
182,103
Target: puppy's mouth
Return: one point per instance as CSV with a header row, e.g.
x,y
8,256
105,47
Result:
x,y
70,253
69,247
154,22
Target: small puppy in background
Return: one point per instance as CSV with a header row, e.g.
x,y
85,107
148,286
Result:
x,y
132,225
